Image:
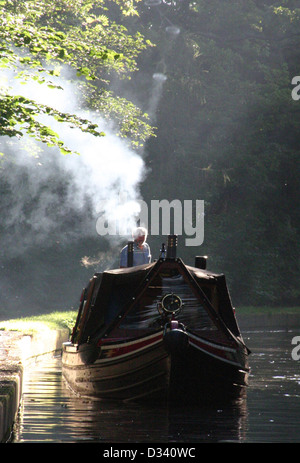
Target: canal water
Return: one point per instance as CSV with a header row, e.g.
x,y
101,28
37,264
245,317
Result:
x,y
270,412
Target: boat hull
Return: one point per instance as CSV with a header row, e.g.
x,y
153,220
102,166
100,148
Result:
x,y
148,368
142,373
202,377
162,330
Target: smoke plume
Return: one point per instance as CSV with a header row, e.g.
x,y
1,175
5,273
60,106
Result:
x,y
49,196
50,204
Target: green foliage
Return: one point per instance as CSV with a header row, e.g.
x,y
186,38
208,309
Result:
x,y
228,132
30,325
18,115
37,37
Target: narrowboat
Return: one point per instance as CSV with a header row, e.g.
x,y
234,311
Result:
x,y
164,330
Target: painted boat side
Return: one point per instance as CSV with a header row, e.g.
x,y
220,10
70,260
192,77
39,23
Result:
x,y
144,372
142,368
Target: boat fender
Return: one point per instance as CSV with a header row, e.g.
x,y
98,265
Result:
x,y
176,340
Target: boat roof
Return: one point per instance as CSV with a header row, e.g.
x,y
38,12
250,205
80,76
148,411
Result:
x,y
127,282
145,268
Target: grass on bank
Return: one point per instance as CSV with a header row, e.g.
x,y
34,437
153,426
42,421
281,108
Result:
x,y
38,323
66,319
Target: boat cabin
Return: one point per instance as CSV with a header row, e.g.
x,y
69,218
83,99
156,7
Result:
x,y
136,301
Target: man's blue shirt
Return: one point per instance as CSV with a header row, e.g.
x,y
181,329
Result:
x,y
140,256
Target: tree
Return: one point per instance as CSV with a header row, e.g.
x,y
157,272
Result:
x,y
37,39
227,132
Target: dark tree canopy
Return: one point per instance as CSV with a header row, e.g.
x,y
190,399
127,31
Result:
x,y
228,133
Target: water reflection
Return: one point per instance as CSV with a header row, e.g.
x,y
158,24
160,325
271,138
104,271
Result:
x,y
209,424
273,398
52,413
270,412
110,422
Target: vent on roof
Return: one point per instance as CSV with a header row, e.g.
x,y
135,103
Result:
x,y
171,247
200,262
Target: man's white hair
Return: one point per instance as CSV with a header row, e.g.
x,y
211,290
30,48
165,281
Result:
x,y
139,231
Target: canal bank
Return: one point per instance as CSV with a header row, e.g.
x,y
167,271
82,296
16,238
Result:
x,y
17,351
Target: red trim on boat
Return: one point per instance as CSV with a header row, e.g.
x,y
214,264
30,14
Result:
x,y
116,350
223,353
